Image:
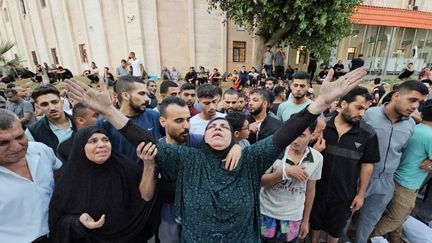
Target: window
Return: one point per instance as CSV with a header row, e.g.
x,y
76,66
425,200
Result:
x,y
351,53
34,57
54,56
23,8
83,53
6,15
43,3
239,51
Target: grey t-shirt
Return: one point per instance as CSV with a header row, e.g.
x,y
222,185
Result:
x,y
268,58
121,71
20,108
279,59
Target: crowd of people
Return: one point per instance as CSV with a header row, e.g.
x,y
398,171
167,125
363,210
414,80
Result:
x,y
264,160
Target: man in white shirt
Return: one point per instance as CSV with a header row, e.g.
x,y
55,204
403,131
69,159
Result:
x,y
137,66
208,98
26,183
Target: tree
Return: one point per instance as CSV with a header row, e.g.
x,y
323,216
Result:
x,y
8,67
316,24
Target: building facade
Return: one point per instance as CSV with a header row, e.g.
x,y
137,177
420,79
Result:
x,y
182,33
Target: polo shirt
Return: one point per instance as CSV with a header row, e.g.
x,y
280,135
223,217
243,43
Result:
x,y
23,203
288,108
343,158
62,135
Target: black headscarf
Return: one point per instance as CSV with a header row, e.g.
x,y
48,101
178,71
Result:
x,y
111,188
220,154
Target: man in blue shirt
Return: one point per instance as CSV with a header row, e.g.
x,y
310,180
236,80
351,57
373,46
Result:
x,y
132,95
409,176
26,183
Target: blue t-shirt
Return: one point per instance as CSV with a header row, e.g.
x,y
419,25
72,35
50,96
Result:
x,y
149,120
419,148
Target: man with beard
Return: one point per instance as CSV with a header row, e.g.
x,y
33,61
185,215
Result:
x,y
351,149
132,95
230,101
151,89
271,82
261,123
56,126
394,127
297,100
188,94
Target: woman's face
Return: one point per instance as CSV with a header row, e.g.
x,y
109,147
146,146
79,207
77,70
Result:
x,y
98,148
218,135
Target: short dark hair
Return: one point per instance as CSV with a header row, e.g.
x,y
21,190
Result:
x,y
187,86
360,55
79,110
273,79
150,81
165,85
302,75
11,91
208,91
126,84
123,60
170,100
377,81
230,92
352,95
43,90
312,125
412,85
7,117
278,90
426,110
236,120
241,95
265,94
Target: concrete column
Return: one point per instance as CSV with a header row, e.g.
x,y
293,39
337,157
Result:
x,y
191,26
390,45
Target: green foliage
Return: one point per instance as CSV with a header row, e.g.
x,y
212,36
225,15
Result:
x,y
8,66
316,24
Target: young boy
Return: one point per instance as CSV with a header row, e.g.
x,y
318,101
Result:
x,y
240,126
290,179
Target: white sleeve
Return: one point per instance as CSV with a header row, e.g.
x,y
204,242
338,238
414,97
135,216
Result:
x,y
316,175
29,135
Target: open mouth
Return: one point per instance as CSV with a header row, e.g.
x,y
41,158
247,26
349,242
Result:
x,y
217,134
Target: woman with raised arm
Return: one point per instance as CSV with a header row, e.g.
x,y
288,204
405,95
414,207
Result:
x,y
213,204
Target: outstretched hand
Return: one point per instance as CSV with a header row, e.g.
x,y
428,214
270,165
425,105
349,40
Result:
x,y
97,100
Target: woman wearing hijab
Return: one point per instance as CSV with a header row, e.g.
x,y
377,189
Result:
x,y
97,198
214,204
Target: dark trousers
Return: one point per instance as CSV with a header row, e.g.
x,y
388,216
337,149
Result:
x,y
279,72
269,70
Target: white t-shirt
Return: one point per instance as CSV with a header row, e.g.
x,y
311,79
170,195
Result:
x,y
285,200
198,125
136,67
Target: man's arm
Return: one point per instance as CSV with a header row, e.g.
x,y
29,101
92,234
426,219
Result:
x,y
147,153
26,117
365,175
309,199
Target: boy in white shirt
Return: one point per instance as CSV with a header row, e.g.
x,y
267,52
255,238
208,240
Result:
x,y
288,191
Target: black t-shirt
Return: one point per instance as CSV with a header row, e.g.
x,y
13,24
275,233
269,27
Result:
x,y
338,67
356,63
343,158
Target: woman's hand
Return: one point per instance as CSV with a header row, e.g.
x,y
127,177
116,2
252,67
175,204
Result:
x,y
147,153
89,222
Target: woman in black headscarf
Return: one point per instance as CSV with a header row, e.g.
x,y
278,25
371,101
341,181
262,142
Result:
x,y
98,198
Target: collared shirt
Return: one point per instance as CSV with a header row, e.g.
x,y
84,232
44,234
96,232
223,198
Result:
x,y
24,203
343,157
288,108
60,133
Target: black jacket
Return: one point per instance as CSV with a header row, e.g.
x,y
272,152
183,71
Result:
x,y
268,126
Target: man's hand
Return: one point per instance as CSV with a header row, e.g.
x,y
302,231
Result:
x,y
89,222
320,144
254,127
97,100
297,173
426,165
304,229
147,153
331,91
357,203
233,157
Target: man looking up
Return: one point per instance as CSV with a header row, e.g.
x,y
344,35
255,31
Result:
x,y
230,101
22,108
56,126
132,95
26,183
295,103
394,127
208,98
351,149
261,123
188,94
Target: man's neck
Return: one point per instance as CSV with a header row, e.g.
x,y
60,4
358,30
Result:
x,y
21,168
127,111
340,122
260,116
392,115
299,101
59,122
170,140
296,154
207,117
